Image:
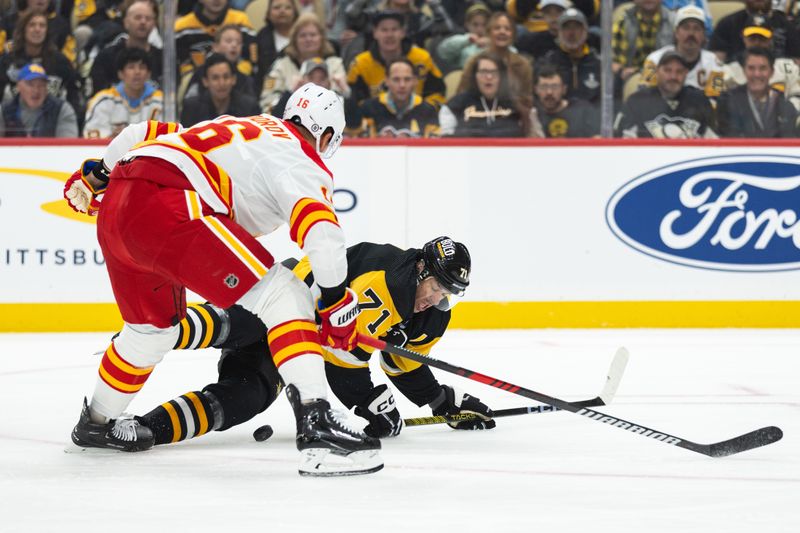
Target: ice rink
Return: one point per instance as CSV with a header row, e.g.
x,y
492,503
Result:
x,y
552,472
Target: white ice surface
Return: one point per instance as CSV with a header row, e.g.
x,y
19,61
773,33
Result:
x,y
553,472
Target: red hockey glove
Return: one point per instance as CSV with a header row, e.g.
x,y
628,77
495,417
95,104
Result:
x,y
83,187
338,328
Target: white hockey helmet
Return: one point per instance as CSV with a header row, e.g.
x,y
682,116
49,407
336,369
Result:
x,y
317,109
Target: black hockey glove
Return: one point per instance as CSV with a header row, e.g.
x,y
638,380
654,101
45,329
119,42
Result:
x,y
454,402
381,412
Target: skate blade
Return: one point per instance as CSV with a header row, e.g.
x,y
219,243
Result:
x,y
320,462
71,448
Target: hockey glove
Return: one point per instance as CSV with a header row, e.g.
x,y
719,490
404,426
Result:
x,y
454,402
381,412
338,328
85,185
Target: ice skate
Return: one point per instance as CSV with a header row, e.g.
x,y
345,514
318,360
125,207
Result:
x,y
327,446
123,433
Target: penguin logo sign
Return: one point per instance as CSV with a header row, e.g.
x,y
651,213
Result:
x,y
231,281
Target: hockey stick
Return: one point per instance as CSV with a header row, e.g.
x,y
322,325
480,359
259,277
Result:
x,y
613,377
748,441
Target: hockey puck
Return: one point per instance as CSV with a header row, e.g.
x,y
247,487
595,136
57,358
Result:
x,y
262,433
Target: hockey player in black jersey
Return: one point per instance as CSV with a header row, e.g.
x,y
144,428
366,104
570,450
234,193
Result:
x,y
404,296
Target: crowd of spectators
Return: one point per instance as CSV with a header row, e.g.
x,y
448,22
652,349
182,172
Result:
x,y
407,68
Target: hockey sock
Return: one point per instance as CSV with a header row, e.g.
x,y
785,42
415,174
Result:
x,y
117,384
297,354
187,416
204,325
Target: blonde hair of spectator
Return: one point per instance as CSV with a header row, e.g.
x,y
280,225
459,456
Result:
x,y
302,21
496,16
295,7
226,28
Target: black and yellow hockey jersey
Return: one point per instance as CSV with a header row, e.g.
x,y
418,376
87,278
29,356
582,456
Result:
x,y
194,35
368,72
380,117
385,279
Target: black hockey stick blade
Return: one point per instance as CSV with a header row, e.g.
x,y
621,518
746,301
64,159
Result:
x,y
748,441
613,378
751,440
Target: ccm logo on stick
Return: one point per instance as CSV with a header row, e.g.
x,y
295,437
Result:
x,y
735,213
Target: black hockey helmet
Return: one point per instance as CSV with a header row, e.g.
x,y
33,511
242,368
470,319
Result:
x,y
449,262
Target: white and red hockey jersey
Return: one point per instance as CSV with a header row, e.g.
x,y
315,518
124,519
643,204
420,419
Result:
x,y
257,170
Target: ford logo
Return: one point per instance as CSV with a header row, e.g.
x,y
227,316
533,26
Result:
x,y
736,213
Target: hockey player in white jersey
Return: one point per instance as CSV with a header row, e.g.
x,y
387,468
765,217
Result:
x,y
181,209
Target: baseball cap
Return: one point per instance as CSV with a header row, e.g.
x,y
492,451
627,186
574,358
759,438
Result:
x,y
672,55
564,4
572,14
690,12
309,65
388,14
757,25
32,71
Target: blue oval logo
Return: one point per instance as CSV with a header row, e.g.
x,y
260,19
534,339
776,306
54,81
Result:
x,y
735,213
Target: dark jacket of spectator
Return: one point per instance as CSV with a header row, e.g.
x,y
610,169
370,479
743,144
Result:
x,y
727,36
577,119
368,71
194,35
647,114
55,118
62,78
381,118
478,117
199,108
57,27
582,76
104,73
737,118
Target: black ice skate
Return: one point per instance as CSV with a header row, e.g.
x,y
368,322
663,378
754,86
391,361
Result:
x,y
124,433
327,446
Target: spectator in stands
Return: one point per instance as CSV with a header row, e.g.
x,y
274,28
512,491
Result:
x,y
57,26
645,27
138,19
306,40
133,99
555,116
35,113
484,105
757,33
274,36
670,110
228,41
529,13
536,44
194,33
97,22
398,111
422,21
367,73
455,50
501,31
705,69
577,62
674,5
756,109
220,96
726,41
31,44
